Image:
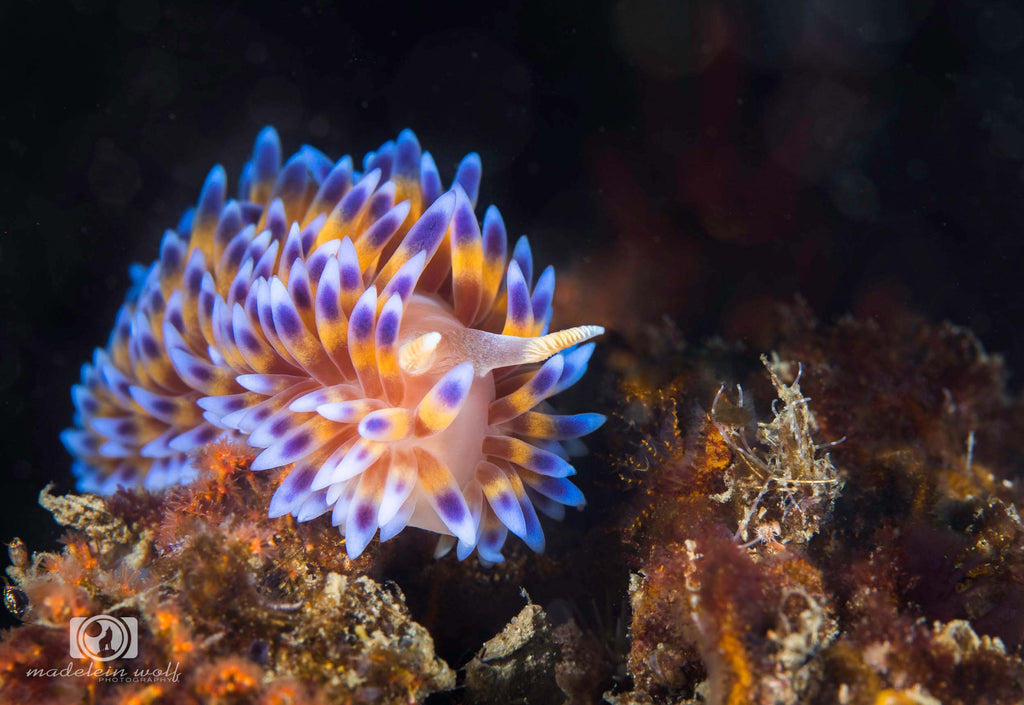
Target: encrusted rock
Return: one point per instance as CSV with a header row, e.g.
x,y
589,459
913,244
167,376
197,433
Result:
x,y
517,665
240,609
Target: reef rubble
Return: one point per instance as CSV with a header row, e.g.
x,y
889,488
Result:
x,y
846,533
238,610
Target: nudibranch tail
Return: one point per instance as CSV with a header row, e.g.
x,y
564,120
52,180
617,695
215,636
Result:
x,y
362,329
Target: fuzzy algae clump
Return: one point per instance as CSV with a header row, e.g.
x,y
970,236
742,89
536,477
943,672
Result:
x,y
719,581
766,574
234,609
784,488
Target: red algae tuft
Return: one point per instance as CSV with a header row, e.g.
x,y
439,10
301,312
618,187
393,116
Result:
x,y
764,572
227,610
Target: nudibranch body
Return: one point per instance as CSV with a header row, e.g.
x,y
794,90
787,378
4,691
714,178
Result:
x,y
364,328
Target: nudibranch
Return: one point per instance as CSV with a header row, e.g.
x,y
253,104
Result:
x,y
363,328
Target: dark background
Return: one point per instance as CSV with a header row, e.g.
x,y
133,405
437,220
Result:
x,y
694,160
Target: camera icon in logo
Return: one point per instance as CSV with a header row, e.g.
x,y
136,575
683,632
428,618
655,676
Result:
x,y
104,638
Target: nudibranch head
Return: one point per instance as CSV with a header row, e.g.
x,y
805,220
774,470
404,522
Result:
x,y
363,328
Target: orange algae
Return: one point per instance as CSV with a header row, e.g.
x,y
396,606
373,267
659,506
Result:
x,y
225,678
766,574
736,660
243,612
